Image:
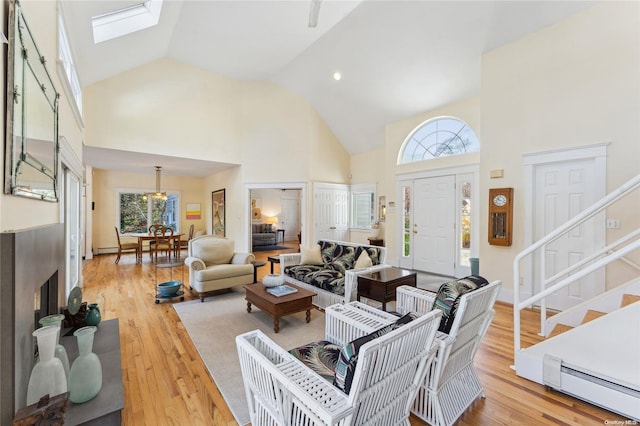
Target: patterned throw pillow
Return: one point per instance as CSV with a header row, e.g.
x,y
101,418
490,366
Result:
x,y
320,356
346,366
448,298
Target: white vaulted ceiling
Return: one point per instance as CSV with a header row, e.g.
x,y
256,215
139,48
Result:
x,y
397,58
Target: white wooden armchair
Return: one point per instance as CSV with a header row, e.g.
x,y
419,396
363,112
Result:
x,y
282,390
452,383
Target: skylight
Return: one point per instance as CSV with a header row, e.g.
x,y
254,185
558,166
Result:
x,y
126,21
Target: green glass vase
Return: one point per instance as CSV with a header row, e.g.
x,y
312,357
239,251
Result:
x,y
93,316
85,377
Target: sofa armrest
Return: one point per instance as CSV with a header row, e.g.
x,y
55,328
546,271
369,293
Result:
x,y
276,379
289,259
413,299
351,280
242,258
195,263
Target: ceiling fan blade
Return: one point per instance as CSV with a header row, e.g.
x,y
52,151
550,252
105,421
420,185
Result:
x,y
314,11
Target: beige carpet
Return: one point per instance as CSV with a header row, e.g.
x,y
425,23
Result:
x,y
214,325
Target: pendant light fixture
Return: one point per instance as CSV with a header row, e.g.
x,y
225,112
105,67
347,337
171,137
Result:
x,y
158,195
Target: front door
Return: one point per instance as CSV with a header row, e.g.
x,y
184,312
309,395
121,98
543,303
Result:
x,y
561,191
434,219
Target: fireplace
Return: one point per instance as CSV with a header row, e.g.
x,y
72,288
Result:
x,y
32,263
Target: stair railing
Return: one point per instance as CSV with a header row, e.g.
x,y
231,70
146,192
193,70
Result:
x,y
573,273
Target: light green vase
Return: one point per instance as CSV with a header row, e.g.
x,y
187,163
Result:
x,y
85,377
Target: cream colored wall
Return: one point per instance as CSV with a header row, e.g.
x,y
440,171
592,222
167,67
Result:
x,y
167,108
468,110
572,84
369,168
106,183
18,212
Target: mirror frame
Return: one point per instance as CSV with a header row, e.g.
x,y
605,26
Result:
x,y
25,61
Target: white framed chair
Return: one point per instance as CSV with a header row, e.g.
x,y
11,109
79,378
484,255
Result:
x,y
282,390
452,383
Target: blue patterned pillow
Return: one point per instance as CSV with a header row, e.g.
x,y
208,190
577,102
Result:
x,y
346,365
448,298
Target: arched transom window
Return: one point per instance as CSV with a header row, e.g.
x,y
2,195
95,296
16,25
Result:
x,y
438,137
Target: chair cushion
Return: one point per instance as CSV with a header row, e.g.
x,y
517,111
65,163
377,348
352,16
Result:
x,y
320,356
213,250
346,365
448,298
218,272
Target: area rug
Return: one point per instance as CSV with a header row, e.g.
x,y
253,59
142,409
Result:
x,y
213,327
265,248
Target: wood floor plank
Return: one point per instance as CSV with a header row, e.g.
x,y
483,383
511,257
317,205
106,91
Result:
x,y
166,383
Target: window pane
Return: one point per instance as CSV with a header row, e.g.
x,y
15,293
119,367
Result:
x,y
465,224
362,210
439,137
406,220
133,213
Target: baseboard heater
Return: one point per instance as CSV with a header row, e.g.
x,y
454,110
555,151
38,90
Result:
x,y
553,369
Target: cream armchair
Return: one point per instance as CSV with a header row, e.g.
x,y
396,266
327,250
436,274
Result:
x,y
213,265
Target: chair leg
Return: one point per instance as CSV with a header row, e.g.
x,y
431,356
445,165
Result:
x,y
118,257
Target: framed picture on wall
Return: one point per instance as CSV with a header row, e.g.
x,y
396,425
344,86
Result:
x,y
217,213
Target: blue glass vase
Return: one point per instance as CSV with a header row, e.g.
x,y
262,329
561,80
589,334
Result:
x,y
85,377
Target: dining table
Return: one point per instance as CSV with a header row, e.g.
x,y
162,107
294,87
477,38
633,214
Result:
x,y
175,238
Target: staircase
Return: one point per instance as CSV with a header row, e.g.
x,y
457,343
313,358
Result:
x,y
591,350
592,314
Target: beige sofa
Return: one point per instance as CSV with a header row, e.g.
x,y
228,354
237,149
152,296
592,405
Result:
x,y
213,265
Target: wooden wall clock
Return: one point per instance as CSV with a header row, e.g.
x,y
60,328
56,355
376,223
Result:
x,y
500,216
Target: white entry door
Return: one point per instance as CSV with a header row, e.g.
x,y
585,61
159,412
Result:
x,y
330,212
561,191
434,219
290,219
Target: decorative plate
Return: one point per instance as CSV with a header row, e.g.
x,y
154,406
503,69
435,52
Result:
x,y
75,300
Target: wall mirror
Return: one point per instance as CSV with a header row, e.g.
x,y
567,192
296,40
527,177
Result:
x,y
31,152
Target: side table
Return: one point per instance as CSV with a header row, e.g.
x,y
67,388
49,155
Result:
x,y
381,285
169,264
258,264
272,260
278,232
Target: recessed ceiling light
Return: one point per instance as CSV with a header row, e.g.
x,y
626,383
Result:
x,y
337,76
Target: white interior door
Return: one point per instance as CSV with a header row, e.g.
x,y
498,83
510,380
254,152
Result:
x,y
72,229
330,212
434,219
290,218
561,191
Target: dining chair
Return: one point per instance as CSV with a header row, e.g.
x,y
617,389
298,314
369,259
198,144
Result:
x,y
126,247
152,231
163,241
184,244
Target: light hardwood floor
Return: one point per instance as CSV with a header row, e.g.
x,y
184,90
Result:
x,y
166,382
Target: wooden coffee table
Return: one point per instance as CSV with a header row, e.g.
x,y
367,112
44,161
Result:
x,y
278,307
381,285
